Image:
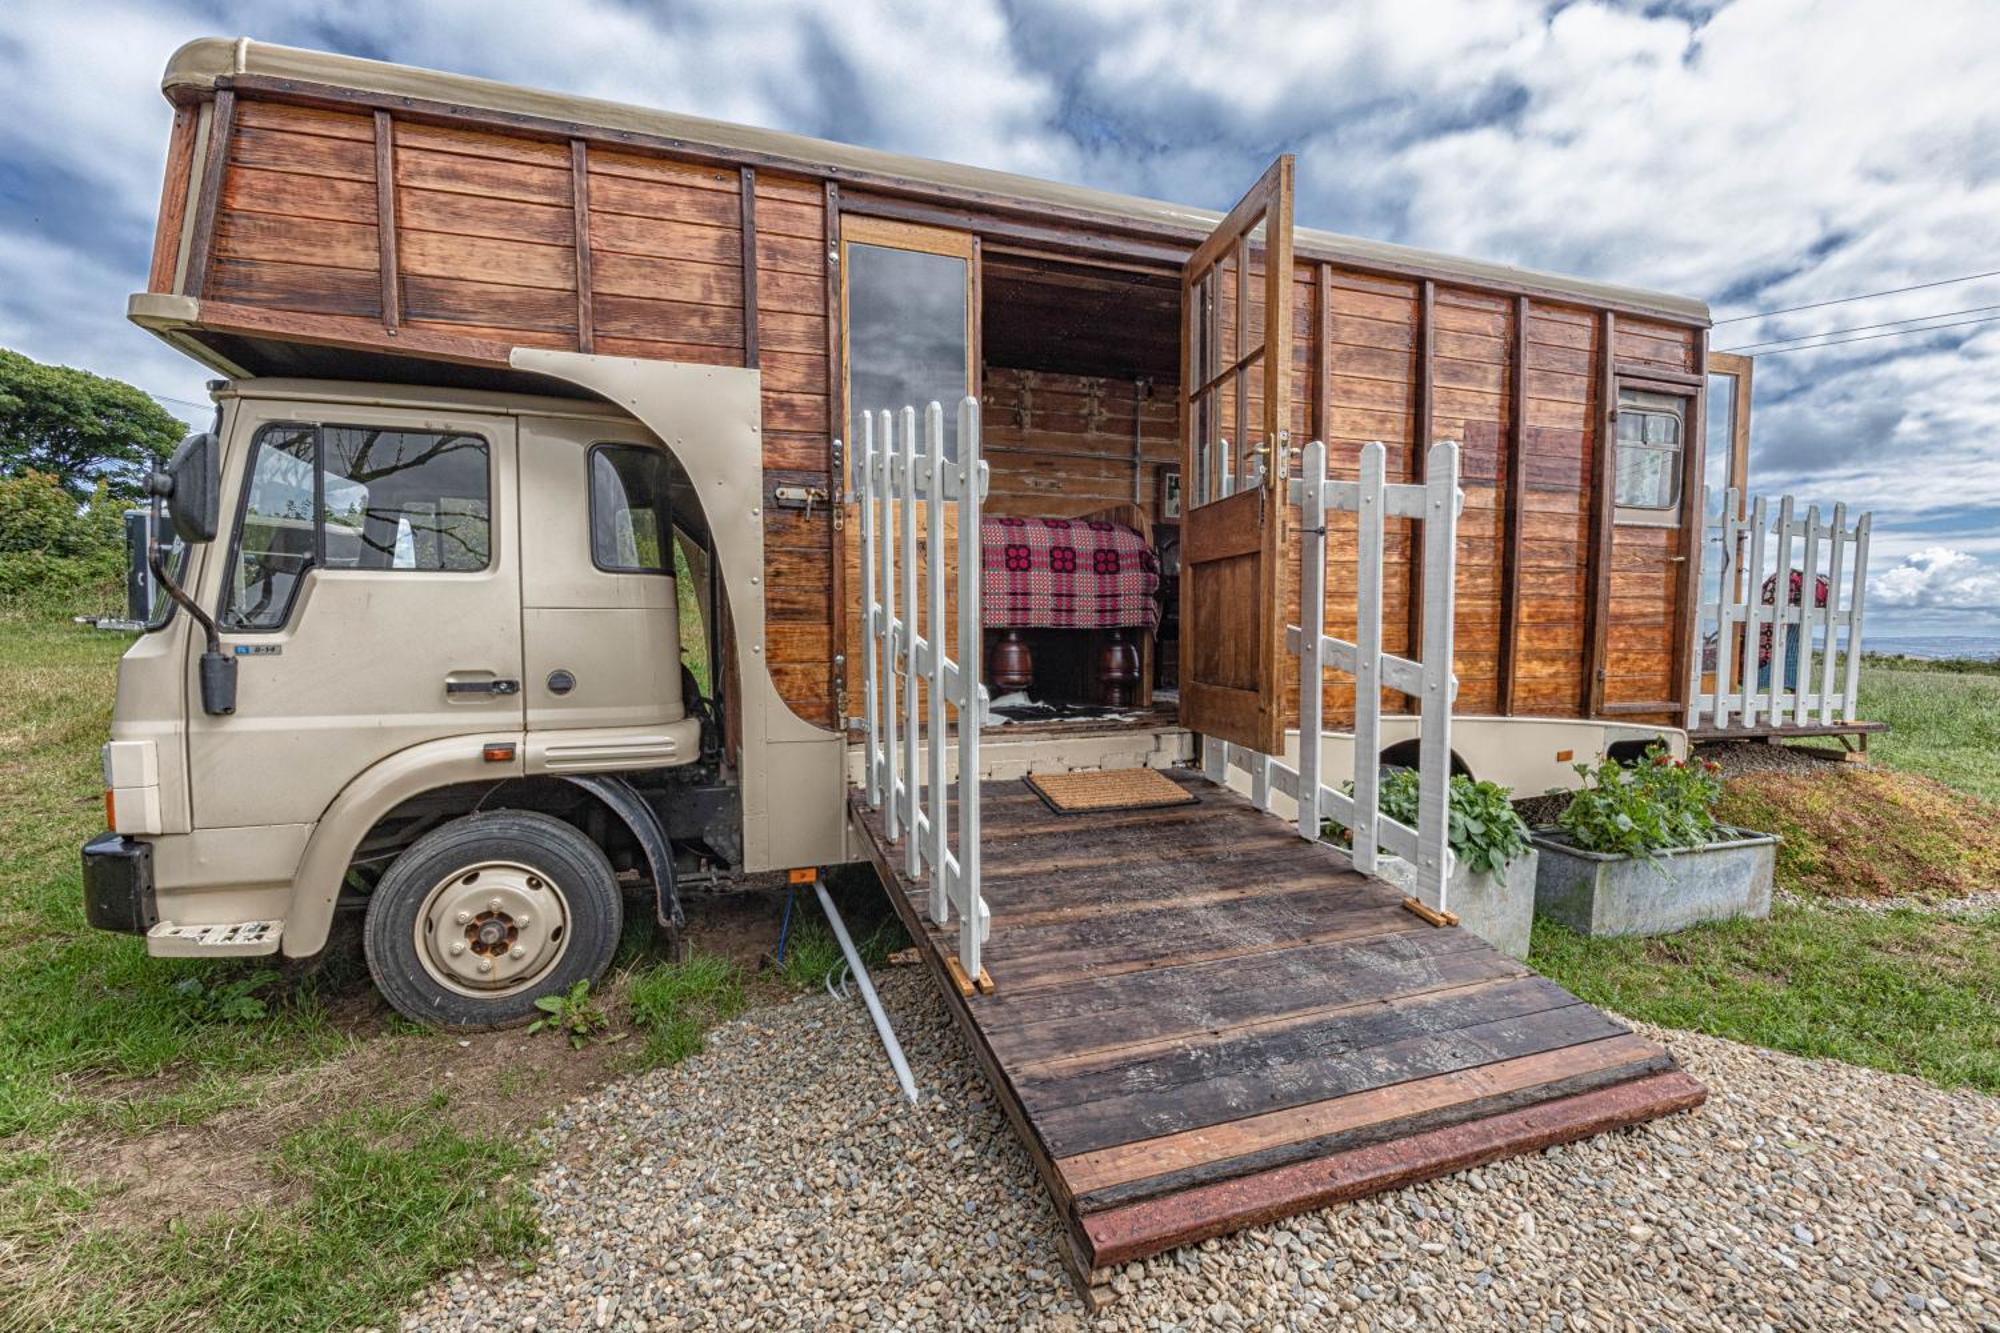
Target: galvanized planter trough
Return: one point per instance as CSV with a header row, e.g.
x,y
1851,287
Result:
x,y
1499,909
1600,893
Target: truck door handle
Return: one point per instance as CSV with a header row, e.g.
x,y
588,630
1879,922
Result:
x,y
500,687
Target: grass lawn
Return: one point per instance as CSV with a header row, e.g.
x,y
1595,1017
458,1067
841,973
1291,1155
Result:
x,y
1908,991
189,1144
1944,725
1914,991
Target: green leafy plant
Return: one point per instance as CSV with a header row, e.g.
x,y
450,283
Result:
x,y
1651,805
572,1013
1485,833
232,1001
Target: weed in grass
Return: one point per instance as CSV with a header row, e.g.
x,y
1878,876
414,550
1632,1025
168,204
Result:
x,y
675,1004
573,1013
1906,991
390,1199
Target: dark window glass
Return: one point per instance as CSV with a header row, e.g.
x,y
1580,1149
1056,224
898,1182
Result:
x,y
631,513
354,497
906,334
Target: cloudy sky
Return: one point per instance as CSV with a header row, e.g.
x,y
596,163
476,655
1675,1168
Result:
x,y
1761,154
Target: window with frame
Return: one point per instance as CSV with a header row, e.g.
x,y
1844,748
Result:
x,y
354,498
631,509
1651,437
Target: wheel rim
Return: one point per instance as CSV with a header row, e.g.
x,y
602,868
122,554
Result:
x,y
492,929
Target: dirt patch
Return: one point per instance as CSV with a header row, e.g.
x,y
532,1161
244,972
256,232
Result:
x,y
1870,833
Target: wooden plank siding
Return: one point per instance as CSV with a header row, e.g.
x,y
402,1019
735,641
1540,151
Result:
x,y
377,226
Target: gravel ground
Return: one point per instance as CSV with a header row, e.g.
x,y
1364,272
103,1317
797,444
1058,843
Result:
x,y
1739,757
779,1181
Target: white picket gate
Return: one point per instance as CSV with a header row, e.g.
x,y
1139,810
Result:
x,y
1435,503
1752,690
906,759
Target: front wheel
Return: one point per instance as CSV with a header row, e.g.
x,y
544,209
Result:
x,y
480,918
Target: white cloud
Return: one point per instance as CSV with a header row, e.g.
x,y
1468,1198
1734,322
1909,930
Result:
x,y
1939,579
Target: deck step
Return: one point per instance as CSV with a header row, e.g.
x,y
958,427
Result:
x,y
1134,1231
237,939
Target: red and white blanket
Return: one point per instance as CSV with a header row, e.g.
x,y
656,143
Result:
x,y
1067,573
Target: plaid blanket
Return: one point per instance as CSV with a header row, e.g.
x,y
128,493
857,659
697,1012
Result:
x,y
1067,573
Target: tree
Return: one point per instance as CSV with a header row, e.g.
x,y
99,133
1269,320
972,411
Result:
x,y
81,428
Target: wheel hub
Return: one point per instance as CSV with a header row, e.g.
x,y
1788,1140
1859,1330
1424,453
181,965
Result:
x,y
492,928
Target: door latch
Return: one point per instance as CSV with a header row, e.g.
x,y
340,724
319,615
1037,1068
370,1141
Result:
x,y
799,497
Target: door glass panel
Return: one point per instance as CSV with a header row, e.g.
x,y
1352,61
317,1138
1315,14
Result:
x,y
907,332
1649,451
276,540
1721,431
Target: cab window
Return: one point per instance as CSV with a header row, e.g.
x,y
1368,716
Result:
x,y
1650,440
354,498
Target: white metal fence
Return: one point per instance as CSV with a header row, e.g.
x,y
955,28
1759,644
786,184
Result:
x,y
1435,503
1753,665
897,472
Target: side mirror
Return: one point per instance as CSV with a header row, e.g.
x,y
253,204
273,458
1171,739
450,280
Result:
x,y
192,485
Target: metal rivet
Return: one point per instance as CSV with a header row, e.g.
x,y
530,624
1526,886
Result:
x,y
486,965
493,904
518,952
458,947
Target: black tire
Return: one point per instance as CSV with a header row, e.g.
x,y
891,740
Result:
x,y
523,860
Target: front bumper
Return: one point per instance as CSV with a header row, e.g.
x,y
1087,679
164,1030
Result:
x,y
118,884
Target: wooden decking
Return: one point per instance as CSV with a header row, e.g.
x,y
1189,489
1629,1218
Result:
x,y
1201,1022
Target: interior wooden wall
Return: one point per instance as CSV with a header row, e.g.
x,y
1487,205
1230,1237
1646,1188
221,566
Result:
x,y
1061,445
513,239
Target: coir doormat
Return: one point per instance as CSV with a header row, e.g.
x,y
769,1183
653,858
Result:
x,y
1108,789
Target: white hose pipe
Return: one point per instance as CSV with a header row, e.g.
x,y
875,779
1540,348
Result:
x,y
874,1002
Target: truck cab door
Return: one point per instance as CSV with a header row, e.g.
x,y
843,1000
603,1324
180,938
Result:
x,y
370,592
601,611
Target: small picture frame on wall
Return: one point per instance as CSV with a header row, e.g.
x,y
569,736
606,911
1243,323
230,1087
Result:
x,y
1170,495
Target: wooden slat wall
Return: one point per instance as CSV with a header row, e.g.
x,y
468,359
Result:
x,y
511,238
792,349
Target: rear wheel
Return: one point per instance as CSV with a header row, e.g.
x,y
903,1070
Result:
x,y
480,918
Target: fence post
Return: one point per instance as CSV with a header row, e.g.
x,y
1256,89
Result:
x,y
934,632
1753,612
1781,626
1368,516
1312,632
1852,685
892,755
906,457
1434,738
1834,567
972,707
1808,613
864,466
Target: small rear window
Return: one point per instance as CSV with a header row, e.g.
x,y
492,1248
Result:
x,y
631,515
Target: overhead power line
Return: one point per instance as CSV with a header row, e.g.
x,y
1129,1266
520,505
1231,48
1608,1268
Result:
x,y
1861,328
1865,296
1869,337
169,398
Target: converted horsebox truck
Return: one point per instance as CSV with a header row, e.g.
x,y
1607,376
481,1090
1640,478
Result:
x,y
603,504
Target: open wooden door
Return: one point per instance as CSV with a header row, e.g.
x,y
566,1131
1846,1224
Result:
x,y
1236,358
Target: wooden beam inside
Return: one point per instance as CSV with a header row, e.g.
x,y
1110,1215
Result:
x,y
221,129
836,397
385,220
1514,483
750,267
586,317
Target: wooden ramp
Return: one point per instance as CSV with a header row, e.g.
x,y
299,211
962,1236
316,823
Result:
x,y
1201,1022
